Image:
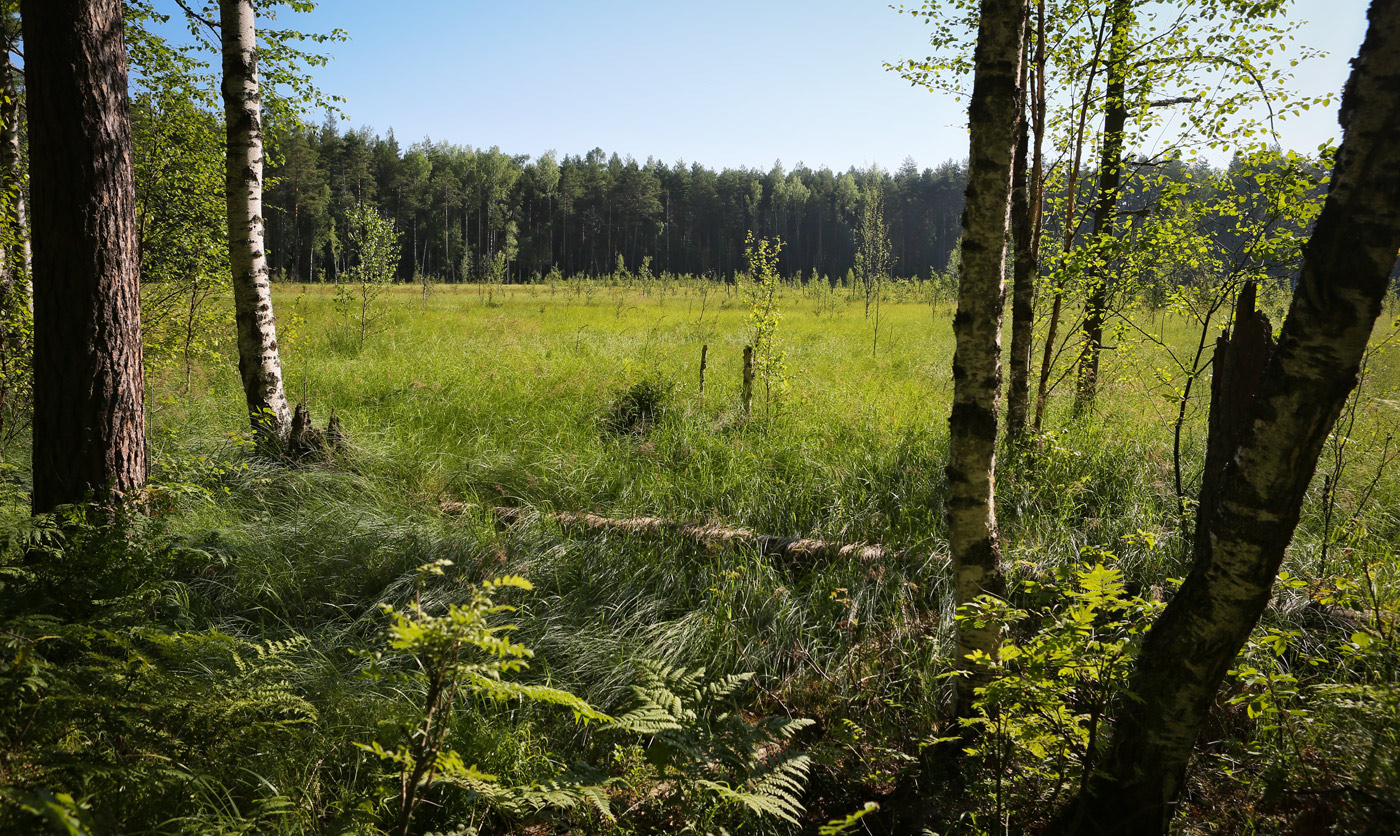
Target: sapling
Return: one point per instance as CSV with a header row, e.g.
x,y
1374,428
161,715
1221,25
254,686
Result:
x,y
375,248
769,361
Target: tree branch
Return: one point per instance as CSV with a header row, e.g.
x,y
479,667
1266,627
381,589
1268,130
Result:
x,y
199,18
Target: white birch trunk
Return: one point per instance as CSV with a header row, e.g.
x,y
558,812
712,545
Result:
x,y
1345,274
259,363
972,521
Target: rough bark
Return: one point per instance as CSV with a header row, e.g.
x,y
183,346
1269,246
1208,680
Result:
x,y
89,398
1249,524
259,363
1105,209
1236,369
972,524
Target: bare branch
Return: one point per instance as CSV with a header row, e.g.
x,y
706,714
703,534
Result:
x,y
1176,100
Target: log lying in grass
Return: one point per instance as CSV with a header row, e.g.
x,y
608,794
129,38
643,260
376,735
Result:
x,y
786,549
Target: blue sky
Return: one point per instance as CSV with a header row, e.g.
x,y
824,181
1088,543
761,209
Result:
x,y
721,82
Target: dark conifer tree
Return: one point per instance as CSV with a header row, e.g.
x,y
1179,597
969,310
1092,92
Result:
x,y
89,398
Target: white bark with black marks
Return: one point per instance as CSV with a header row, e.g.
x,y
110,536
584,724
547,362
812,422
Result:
x,y
259,363
972,524
1302,390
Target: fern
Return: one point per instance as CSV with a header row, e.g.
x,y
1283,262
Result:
x,y
698,737
463,652
846,824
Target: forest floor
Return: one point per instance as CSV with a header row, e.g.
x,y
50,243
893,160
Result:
x,y
585,399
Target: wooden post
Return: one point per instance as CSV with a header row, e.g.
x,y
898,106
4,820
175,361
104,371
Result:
x,y
704,353
748,380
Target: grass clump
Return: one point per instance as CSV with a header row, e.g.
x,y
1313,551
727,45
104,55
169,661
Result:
x,y
636,409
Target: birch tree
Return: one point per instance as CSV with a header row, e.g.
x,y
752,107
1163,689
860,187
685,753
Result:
x,y
1249,518
259,363
972,524
15,269
1169,78
1026,185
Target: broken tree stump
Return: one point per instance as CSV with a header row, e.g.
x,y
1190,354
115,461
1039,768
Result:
x,y
306,442
704,355
1236,370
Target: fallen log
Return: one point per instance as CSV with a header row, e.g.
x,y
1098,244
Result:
x,y
787,549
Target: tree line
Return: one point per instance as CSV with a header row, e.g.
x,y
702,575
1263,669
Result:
x,y
456,207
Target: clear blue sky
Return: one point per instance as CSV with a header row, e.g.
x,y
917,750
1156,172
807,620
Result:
x,y
721,82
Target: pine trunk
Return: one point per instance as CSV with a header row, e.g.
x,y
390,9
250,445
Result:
x,y
89,396
1252,513
259,363
972,525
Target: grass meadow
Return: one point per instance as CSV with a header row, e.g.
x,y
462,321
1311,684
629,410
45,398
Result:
x,y
475,398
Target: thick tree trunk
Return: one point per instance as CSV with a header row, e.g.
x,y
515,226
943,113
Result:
x,y
972,524
1110,183
259,363
89,397
1256,508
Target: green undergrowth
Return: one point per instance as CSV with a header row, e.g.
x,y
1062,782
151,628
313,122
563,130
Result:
x,y
206,668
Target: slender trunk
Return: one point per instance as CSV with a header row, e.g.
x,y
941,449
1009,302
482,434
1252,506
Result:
x,y
259,363
1110,182
1252,516
1023,293
1071,187
89,395
972,524
189,335
19,259
746,393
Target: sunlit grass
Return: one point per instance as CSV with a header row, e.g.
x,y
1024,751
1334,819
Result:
x,y
472,401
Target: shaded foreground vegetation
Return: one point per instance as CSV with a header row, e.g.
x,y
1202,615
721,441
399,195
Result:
x,y
223,666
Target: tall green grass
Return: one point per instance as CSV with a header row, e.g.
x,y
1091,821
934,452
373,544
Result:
x,y
470,402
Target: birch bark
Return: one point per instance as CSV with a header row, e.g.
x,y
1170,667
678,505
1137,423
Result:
x,y
972,525
259,363
1251,520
